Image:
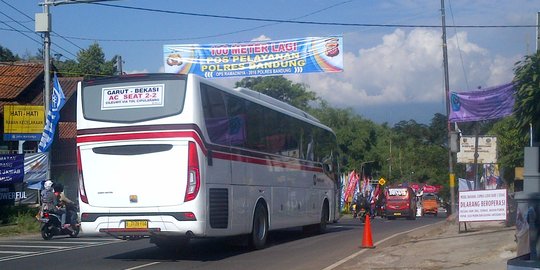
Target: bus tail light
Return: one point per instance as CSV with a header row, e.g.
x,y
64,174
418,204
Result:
x,y
193,176
82,190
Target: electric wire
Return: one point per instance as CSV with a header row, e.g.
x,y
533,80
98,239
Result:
x,y
307,22
21,32
31,30
459,48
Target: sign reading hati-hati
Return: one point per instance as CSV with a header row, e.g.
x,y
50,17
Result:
x,y
482,205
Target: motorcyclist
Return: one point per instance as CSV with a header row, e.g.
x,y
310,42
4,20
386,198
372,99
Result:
x,y
362,202
47,197
65,206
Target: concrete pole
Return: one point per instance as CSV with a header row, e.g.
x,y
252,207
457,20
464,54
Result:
x,y
537,31
451,175
47,76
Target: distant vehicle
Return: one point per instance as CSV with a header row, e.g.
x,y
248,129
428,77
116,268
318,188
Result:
x,y
430,204
400,202
173,157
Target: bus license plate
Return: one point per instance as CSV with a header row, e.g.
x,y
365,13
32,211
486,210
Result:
x,y
397,214
136,224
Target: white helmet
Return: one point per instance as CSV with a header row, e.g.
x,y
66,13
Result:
x,y
48,184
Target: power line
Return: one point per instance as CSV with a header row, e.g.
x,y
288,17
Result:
x,y
209,36
273,22
459,47
309,22
24,14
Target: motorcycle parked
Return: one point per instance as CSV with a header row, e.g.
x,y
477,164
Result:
x,y
51,225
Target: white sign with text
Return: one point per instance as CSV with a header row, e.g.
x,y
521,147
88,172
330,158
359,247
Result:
x,y
482,205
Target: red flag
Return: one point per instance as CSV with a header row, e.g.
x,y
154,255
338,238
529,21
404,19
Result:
x,y
353,179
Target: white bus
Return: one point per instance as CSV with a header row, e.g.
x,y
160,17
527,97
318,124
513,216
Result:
x,y
173,157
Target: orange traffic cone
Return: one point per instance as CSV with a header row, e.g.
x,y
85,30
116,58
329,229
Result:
x,y
367,242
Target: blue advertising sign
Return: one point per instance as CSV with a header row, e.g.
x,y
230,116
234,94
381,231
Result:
x,y
22,137
11,168
258,58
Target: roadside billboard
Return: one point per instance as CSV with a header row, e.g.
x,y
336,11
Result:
x,y
487,149
257,58
23,122
482,205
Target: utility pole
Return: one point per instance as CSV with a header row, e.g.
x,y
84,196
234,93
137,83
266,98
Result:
x,y
451,176
43,25
390,161
537,31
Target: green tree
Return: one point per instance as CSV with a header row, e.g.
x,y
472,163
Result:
x,y
438,130
510,142
527,104
6,55
280,88
90,63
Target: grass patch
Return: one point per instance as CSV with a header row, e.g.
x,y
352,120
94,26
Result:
x,y
18,220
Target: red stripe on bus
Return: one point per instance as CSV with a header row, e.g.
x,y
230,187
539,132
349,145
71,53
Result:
x,y
265,162
142,135
194,136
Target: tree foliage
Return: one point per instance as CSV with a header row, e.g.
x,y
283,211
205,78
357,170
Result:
x,y
527,104
6,55
91,63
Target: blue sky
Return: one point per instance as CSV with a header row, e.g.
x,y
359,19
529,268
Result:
x,y
391,73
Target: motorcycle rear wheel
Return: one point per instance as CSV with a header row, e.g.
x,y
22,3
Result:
x,y
75,232
46,234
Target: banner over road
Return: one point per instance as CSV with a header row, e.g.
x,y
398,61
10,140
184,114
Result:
x,y
491,103
266,58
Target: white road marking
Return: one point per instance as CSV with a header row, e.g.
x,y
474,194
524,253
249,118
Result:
x,y
25,246
55,250
142,266
350,257
16,252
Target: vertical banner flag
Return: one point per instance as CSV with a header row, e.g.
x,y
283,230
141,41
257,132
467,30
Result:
x,y
491,103
257,58
53,115
353,179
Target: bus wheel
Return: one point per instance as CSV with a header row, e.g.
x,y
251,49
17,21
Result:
x,y
259,232
324,219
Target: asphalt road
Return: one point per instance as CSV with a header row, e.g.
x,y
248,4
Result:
x,y
287,249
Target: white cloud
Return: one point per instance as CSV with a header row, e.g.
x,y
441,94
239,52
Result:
x,y
261,38
407,68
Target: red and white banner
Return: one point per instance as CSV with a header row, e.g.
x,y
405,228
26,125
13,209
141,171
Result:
x,y
353,179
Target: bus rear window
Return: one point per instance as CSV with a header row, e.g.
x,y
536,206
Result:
x,y
132,100
397,193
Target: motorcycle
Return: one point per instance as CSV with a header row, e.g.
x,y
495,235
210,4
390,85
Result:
x,y
51,225
361,210
362,214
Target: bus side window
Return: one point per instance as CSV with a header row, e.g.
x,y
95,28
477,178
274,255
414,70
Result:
x,y
254,124
236,117
215,114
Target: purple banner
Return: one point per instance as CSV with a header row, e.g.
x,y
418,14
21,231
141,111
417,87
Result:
x,y
491,103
